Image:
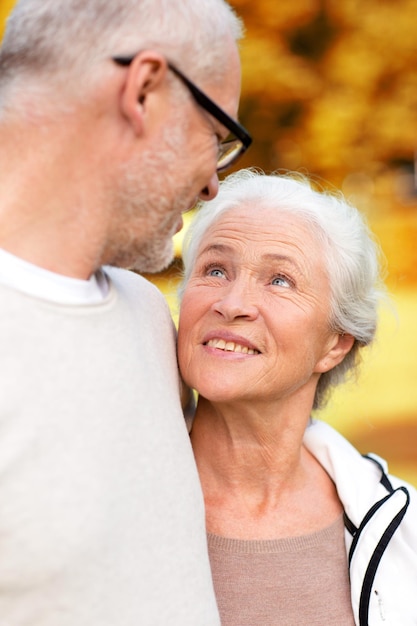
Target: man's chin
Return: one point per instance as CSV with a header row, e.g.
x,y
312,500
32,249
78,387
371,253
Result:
x,y
154,261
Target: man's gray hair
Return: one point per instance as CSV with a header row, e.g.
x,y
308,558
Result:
x,y
351,255
64,38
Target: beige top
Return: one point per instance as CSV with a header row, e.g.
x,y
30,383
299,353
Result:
x,y
102,516
285,582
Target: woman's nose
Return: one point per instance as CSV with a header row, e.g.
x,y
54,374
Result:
x,y
210,191
238,302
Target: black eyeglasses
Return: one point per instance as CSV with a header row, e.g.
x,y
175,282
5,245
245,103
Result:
x,y
230,149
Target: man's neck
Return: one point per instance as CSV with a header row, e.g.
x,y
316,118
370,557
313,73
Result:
x,y
48,209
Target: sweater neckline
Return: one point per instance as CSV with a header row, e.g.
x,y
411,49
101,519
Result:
x,y
285,544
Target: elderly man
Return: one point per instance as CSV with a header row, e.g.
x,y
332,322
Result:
x,y
105,139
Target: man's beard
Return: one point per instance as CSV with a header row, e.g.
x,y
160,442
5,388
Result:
x,y
148,205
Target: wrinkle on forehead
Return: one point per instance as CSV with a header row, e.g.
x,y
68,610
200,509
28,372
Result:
x,y
261,225
229,250
252,234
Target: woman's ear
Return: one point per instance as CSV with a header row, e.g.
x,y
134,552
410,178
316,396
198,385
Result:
x,y
339,348
145,75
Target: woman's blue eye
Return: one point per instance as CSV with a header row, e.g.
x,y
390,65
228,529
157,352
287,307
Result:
x,y
216,272
281,281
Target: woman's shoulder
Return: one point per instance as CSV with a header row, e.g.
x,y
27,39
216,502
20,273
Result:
x,y
360,479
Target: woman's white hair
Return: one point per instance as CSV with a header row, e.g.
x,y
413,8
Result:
x,y
67,38
350,252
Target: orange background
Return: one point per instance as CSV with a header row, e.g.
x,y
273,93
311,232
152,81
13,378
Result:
x,y
330,88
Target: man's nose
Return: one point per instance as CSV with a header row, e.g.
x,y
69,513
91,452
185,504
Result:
x,y
211,190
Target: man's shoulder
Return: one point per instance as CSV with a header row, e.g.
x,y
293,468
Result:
x,y
141,295
132,283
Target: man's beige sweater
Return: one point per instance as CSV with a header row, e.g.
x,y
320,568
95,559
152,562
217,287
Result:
x,y
101,514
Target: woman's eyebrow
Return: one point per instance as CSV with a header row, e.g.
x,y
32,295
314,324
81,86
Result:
x,y
268,256
271,256
216,247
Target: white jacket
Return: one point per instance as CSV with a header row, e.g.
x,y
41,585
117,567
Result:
x,y
380,530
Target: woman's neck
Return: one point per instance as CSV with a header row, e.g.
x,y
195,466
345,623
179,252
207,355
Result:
x,y
258,479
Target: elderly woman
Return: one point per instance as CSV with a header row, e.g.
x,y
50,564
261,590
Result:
x,y
279,296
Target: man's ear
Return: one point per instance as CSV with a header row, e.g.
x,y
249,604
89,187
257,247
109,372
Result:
x,y
340,345
145,74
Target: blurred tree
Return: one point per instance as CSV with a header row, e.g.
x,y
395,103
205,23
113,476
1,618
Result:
x,y
330,86
5,8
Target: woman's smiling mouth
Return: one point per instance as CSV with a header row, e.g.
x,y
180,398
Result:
x,y
230,346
